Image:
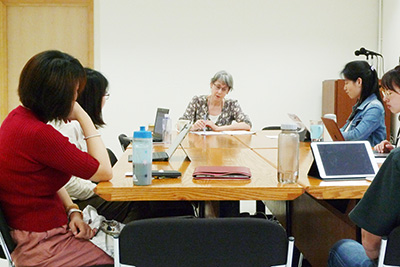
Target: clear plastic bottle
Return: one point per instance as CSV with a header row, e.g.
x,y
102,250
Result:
x,y
142,151
167,128
288,154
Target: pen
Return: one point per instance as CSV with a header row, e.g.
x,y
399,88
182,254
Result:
x,y
205,118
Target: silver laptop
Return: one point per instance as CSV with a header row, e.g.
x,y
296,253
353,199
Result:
x,y
166,155
158,124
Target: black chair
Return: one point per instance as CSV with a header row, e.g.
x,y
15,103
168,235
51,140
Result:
x,y
124,140
271,128
113,158
203,242
7,243
389,254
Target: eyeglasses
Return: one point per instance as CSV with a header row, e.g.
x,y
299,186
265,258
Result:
x,y
219,87
107,96
387,93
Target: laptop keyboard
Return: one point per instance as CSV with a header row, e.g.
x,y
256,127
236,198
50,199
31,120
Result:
x,y
158,155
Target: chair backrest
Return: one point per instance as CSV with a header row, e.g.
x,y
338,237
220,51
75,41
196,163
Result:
x,y
204,242
272,127
124,141
113,158
6,241
390,249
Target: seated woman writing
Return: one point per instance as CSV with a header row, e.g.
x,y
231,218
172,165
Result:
x,y
214,111
367,120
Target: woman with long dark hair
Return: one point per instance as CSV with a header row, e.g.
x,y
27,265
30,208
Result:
x,y
367,120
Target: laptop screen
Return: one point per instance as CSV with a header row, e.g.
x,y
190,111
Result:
x,y
178,140
158,127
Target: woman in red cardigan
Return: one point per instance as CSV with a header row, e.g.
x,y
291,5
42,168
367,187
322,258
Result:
x,y
36,161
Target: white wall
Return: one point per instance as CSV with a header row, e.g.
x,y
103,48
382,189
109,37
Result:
x,y
391,42
159,53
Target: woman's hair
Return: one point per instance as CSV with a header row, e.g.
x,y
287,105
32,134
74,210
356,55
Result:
x,y
48,83
91,97
224,77
361,69
391,78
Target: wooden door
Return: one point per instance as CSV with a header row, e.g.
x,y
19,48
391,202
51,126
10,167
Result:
x,y
31,26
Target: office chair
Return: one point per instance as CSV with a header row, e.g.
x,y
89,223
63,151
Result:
x,y
389,253
270,128
7,243
113,158
203,242
124,141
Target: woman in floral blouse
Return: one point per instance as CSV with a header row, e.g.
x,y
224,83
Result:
x,y
214,111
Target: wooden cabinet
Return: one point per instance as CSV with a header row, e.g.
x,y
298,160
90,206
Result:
x,y
336,101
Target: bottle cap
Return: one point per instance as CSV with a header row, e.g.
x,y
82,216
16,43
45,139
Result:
x,y
142,133
288,126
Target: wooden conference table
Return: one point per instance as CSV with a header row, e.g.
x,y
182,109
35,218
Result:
x,y
218,150
315,210
319,217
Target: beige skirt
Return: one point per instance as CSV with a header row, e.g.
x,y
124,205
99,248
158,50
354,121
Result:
x,y
56,247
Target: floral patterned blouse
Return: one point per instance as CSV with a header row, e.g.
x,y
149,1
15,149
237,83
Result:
x,y
231,111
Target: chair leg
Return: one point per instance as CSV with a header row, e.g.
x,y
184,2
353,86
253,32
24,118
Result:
x,y
382,251
301,257
260,207
116,252
6,251
290,251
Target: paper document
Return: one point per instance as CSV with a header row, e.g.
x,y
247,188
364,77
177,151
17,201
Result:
x,y
223,132
207,133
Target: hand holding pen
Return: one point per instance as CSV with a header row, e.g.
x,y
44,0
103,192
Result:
x,y
199,125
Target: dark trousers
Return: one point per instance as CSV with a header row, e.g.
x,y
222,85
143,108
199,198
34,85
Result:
x,y
126,211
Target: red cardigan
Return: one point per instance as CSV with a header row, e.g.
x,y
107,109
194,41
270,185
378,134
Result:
x,y
35,162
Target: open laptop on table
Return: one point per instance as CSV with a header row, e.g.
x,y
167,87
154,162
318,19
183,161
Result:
x,y
166,155
304,132
158,124
333,129
336,135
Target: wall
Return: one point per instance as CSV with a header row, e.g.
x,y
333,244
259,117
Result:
x,y
160,53
391,42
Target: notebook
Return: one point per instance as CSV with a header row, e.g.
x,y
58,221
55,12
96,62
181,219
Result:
x,y
221,172
343,160
158,124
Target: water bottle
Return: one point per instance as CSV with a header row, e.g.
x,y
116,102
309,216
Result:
x,y
142,151
288,154
167,128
